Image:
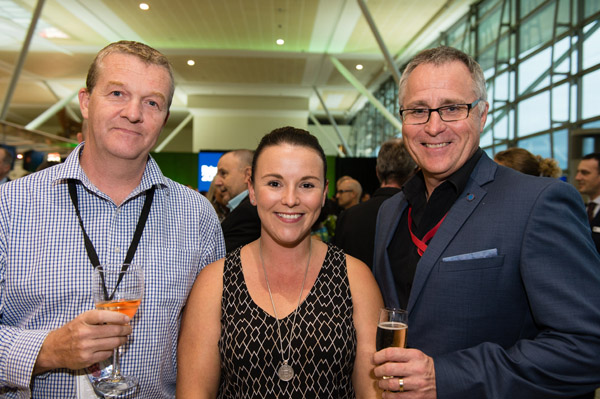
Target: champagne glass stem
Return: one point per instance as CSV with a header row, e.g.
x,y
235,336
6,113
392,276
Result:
x,y
116,371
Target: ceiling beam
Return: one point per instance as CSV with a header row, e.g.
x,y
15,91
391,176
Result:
x,y
365,92
50,112
388,57
174,133
21,61
332,121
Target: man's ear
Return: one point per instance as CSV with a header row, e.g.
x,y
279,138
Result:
x,y
247,173
84,99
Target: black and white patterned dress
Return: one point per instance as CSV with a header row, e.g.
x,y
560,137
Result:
x,y
323,348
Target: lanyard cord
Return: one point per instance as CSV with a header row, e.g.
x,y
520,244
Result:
x,y
89,247
422,244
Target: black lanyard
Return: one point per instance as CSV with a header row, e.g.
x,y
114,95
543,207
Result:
x,y
89,247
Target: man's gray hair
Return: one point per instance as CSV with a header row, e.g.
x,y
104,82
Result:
x,y
440,56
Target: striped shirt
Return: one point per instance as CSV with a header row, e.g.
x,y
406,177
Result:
x,y
46,275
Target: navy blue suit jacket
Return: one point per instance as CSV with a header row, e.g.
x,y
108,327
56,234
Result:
x,y
506,298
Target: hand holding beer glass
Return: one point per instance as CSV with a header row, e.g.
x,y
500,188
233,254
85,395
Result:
x,y
392,329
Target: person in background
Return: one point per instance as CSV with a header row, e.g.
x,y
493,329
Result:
x,y
242,224
349,192
215,197
355,228
50,332
588,184
525,162
6,162
285,316
496,268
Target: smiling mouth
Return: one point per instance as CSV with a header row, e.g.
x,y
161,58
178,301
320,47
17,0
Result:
x,y
289,216
438,145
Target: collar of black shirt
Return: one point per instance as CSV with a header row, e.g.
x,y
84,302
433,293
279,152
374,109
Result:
x,y
442,198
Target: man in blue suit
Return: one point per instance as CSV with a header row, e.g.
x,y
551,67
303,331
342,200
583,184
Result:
x,y
497,269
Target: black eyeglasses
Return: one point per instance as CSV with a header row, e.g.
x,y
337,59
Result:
x,y
343,191
447,113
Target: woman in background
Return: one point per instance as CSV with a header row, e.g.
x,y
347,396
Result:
x,y
286,315
525,162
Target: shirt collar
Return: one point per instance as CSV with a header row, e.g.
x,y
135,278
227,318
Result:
x,y
235,201
71,169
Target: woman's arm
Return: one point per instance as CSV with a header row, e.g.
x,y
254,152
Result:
x,y
367,301
198,358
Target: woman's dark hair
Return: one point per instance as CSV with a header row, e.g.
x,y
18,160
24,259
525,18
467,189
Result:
x,y
293,136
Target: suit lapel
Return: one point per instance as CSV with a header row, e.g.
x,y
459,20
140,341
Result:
x,y
457,216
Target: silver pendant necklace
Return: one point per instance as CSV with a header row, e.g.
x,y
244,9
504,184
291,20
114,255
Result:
x,y
285,371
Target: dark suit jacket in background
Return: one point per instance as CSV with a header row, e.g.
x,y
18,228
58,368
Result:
x,y
595,226
506,298
241,226
355,227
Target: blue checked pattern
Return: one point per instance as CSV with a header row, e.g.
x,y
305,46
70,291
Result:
x,y
45,273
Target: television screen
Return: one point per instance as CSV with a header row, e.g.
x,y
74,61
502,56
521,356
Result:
x,y
207,168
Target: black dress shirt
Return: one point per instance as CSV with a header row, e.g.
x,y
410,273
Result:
x,y
425,215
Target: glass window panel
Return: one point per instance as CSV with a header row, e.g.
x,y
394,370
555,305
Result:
x,y
501,87
561,57
528,6
488,29
487,59
534,114
573,117
591,94
511,124
590,7
587,145
537,29
500,147
489,152
538,145
504,52
591,125
591,45
487,5
486,139
457,34
560,104
561,148
533,73
500,126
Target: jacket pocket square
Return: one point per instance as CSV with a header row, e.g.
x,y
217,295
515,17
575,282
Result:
x,y
487,253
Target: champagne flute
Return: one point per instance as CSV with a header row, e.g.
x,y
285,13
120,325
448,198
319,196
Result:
x,y
118,288
392,329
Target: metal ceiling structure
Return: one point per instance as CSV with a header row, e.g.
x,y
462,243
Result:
x,y
46,47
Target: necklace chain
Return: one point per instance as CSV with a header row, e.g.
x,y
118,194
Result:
x,y
262,262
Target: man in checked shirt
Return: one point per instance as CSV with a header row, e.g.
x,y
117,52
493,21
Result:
x,y
50,334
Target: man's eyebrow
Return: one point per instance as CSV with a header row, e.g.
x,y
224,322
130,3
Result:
x,y
121,84
115,83
157,94
423,103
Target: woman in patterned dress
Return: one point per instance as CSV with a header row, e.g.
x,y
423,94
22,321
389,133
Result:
x,y
285,316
